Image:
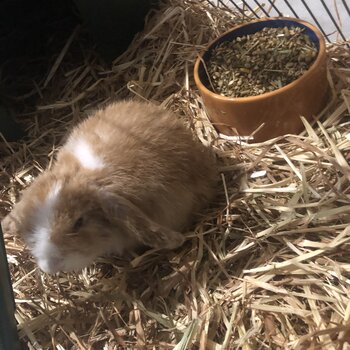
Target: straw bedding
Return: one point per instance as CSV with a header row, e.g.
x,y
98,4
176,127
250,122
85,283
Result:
x,y
266,267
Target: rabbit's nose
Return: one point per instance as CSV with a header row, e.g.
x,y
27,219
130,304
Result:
x,y
51,265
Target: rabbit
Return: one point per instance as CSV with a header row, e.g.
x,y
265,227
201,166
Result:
x,y
129,175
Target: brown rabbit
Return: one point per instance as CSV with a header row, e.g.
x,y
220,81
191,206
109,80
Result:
x,y
129,175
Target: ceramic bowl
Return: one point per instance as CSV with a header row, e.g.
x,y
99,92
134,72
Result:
x,y
278,111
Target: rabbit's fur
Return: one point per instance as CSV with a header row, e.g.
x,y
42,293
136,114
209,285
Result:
x,y
130,174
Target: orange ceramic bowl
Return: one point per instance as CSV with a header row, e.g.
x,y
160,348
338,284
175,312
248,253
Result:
x,y
278,110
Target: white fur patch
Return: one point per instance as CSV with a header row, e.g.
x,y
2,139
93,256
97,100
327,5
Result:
x,y
45,252
83,152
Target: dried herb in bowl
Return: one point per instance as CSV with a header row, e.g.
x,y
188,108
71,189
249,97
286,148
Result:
x,y
257,63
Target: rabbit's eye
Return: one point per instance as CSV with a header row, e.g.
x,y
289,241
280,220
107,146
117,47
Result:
x,y
78,224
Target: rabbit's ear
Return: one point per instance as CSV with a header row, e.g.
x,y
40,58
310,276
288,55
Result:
x,y
137,224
